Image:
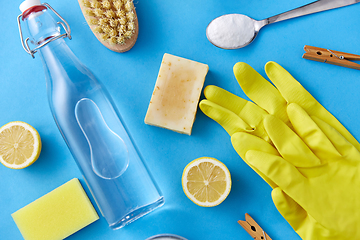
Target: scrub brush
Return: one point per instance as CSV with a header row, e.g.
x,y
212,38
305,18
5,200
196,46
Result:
x,y
114,22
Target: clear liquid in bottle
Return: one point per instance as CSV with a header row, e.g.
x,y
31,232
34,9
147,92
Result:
x,y
91,126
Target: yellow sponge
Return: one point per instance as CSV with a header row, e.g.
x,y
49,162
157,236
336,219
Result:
x,y
57,214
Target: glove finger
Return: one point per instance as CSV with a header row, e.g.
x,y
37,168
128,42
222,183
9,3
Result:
x,y
233,113
340,143
224,98
288,86
289,209
243,142
261,91
289,145
310,133
248,112
303,223
294,92
231,122
281,172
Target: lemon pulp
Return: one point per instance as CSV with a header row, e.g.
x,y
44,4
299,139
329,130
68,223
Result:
x,y
206,181
20,145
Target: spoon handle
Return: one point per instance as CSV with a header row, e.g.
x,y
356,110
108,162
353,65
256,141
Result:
x,y
314,7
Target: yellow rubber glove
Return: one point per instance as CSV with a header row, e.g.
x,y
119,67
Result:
x,y
235,114
320,201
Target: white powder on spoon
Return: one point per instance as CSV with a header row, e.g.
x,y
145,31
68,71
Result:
x,y
231,31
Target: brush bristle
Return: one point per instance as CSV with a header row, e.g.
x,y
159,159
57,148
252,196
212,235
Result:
x,y
113,20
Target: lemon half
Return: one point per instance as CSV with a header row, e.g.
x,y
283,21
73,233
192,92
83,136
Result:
x,y
20,145
206,181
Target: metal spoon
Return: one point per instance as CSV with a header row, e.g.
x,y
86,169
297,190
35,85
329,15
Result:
x,y
232,31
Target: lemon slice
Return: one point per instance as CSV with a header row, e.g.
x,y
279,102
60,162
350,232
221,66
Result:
x,y
20,145
206,181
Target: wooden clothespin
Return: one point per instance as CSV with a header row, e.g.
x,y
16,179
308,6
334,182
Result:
x,y
331,56
253,228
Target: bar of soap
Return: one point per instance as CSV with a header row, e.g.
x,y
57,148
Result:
x,y
174,101
56,215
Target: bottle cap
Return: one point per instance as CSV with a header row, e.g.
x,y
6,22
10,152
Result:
x,y
28,4
28,8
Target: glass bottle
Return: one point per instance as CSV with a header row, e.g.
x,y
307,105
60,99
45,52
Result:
x,y
90,123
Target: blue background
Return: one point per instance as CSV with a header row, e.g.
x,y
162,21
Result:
x,y
175,27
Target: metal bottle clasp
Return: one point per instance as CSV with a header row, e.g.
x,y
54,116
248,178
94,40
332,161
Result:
x,y
25,43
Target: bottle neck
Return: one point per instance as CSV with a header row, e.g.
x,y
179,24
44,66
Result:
x,y
57,53
40,25
56,56
60,64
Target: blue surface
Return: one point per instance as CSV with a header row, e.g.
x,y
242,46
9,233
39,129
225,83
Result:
x,y
175,27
